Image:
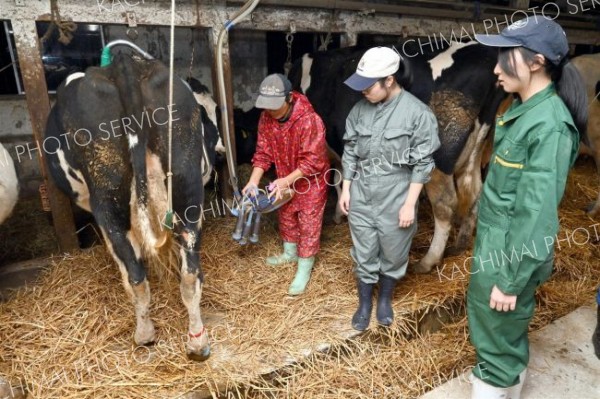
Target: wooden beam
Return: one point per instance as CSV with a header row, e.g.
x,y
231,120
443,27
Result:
x,y
36,94
416,21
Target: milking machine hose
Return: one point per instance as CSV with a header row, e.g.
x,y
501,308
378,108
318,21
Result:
x,y
247,8
106,57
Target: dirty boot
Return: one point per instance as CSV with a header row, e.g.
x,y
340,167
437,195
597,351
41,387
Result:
x,y
289,255
385,313
305,266
362,316
481,390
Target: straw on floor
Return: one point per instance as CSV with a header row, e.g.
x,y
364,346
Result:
x,y
70,336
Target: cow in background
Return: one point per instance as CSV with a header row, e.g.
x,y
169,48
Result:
x,y
458,83
107,148
589,67
9,184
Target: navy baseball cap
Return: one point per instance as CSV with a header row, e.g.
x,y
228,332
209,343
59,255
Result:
x,y
536,33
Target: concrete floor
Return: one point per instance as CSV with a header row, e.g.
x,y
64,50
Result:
x,y
562,364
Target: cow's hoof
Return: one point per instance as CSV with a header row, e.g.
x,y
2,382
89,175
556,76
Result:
x,y
201,355
422,268
145,335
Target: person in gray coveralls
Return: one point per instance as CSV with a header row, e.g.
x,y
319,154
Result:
x,y
389,141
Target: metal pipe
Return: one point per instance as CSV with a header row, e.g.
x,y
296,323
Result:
x,y
241,14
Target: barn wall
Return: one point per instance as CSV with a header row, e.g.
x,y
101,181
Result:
x,y
14,118
248,51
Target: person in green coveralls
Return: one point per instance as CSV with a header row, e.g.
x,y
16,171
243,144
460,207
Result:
x,y
535,144
388,155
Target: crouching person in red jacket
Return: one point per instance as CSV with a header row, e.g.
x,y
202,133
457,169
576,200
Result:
x,y
292,136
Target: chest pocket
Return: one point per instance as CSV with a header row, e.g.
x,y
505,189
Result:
x,y
396,145
363,143
509,161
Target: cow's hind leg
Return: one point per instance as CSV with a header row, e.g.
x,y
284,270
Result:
x,y
468,187
593,209
442,195
189,237
126,251
335,175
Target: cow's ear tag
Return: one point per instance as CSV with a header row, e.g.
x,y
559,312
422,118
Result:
x,y
106,57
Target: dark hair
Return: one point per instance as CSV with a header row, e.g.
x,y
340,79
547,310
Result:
x,y
569,83
404,74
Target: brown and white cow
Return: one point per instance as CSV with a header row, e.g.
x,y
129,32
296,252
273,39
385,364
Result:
x,y
589,68
458,83
107,147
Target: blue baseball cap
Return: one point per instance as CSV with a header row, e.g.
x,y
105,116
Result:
x,y
536,33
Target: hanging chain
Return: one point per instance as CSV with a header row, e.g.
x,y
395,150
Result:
x,y
192,57
289,38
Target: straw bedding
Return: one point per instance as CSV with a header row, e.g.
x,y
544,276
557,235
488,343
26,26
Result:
x,y
70,336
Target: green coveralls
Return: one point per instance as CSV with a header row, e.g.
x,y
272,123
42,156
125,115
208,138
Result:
x,y
388,146
535,144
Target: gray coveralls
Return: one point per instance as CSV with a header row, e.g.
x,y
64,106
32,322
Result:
x,y
387,147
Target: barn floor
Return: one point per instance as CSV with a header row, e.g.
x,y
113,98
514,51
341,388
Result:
x,y
70,336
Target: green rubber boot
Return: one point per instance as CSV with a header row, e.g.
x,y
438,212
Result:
x,y
290,254
305,266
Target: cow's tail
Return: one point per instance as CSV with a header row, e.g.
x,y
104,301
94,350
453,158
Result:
x,y
128,80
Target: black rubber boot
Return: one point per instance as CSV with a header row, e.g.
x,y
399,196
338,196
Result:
x,y
596,336
385,313
362,316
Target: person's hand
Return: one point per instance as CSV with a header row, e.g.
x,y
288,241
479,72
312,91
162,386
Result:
x,y
344,202
406,215
250,189
278,187
502,302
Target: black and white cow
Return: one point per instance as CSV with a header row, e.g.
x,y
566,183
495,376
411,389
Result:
x,y
107,147
458,83
206,100
9,184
